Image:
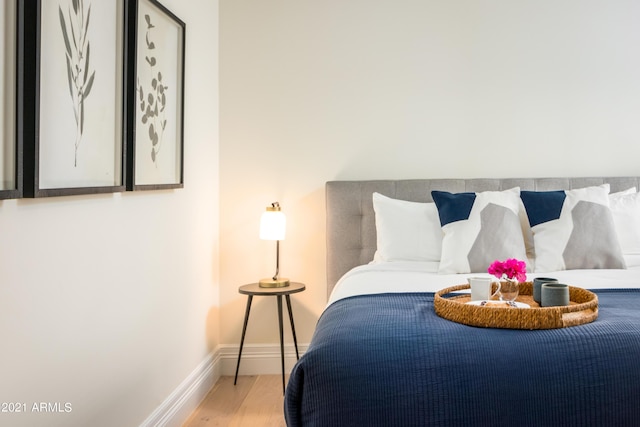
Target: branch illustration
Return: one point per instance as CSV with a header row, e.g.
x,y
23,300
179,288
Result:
x,y
74,28
154,103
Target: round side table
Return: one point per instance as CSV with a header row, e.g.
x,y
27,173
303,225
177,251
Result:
x,y
254,289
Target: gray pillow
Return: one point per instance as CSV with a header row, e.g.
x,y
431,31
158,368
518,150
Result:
x,y
479,228
573,229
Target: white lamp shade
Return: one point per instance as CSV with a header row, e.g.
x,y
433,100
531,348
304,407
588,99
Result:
x,y
273,225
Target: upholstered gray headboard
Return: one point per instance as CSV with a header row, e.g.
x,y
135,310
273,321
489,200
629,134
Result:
x,y
351,230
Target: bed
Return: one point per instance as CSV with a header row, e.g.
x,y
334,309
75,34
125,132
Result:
x,y
380,356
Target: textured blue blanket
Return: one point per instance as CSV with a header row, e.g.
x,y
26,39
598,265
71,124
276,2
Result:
x,y
389,360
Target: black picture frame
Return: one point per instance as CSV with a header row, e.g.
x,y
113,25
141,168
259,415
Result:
x,y
73,60
155,104
10,141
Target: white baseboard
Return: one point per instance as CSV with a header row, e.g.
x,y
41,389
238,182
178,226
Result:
x,y
187,396
257,359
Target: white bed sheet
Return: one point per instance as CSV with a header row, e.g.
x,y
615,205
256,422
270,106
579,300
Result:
x,y
405,276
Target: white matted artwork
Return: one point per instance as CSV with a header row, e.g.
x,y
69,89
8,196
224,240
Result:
x,y
79,145
8,152
157,151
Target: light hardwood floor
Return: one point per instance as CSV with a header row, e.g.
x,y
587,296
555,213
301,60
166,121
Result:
x,y
256,401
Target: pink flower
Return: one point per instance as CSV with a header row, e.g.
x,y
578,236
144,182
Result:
x,y
510,269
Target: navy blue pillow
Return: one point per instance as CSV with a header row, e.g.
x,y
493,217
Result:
x,y
542,206
453,207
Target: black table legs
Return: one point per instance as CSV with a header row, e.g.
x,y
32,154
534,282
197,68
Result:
x,y
244,331
281,338
293,328
281,330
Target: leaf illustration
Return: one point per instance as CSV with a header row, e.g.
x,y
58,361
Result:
x,y
73,32
152,133
63,25
150,45
85,46
81,117
86,25
86,67
148,19
80,77
154,96
70,76
89,85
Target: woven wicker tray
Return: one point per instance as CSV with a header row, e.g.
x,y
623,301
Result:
x,y
583,308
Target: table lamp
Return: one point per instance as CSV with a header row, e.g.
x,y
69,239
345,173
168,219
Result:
x,y
272,227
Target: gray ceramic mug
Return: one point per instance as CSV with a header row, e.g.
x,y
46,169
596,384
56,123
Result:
x,y
554,294
537,283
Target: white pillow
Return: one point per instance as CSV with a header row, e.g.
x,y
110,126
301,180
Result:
x,y
573,229
626,192
406,231
625,208
527,234
479,228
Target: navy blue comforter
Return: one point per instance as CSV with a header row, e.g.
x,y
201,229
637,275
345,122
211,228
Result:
x,y
389,360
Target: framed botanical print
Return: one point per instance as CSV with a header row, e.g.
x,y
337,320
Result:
x,y
156,104
10,152
74,62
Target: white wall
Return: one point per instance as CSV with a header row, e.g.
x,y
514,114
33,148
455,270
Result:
x,y
109,302
314,91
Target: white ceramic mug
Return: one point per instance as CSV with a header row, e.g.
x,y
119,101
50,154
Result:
x,y
480,288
